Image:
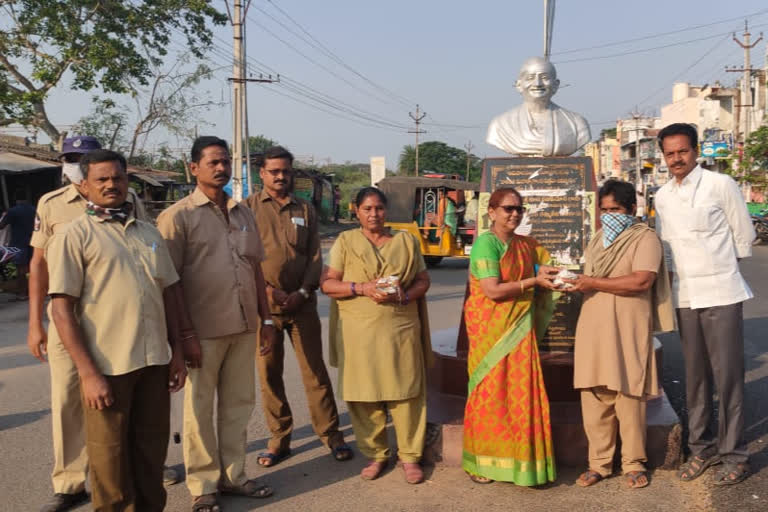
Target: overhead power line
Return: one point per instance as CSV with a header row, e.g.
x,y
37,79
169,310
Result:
x,y
661,34
315,43
643,50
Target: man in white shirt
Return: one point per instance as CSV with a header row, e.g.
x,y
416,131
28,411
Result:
x,y
705,229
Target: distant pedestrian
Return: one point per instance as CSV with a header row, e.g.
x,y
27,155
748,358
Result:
x,y
217,251
292,265
706,229
111,280
626,298
21,219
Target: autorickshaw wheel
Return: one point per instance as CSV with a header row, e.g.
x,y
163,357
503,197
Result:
x,y
433,261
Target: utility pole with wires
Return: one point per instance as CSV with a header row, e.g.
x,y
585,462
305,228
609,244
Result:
x,y
417,119
746,101
240,143
638,171
468,146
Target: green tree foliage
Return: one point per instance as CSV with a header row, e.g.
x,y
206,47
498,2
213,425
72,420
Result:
x,y
260,143
439,157
107,122
755,161
108,44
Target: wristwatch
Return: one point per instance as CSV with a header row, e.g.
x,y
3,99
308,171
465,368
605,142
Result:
x,y
268,322
304,293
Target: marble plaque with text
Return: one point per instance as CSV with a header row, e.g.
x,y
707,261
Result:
x,y
559,194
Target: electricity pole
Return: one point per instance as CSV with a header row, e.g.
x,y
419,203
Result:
x,y
417,119
746,101
240,143
236,17
638,171
468,146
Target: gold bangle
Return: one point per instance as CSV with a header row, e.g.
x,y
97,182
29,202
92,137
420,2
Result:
x,y
522,288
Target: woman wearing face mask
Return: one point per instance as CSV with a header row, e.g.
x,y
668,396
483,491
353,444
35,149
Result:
x,y
507,434
379,335
626,297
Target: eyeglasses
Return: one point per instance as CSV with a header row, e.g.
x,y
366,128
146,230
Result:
x,y
278,172
509,208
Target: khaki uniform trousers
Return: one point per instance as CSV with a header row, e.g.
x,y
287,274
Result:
x,y
128,441
409,417
605,414
305,333
228,374
70,460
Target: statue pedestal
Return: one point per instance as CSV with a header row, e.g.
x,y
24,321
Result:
x,y
447,390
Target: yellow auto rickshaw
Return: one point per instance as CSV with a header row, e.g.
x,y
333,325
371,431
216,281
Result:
x,y
434,211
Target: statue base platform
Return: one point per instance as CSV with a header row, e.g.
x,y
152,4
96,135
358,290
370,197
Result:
x,y
447,391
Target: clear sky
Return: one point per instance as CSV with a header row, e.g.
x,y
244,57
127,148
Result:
x,y
459,61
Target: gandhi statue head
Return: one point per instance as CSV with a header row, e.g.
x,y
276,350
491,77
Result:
x,y
537,81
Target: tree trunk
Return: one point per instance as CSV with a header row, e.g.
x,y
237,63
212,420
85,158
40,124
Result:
x,y
41,121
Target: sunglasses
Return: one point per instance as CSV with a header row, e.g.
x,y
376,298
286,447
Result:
x,y
509,208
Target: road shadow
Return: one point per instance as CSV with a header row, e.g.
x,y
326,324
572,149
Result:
x,y
10,421
306,431
755,389
17,361
289,480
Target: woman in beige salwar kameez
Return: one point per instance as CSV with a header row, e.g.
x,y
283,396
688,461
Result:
x,y
379,340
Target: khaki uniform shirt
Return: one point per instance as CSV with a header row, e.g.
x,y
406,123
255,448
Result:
x,y
614,341
217,261
56,209
118,273
291,240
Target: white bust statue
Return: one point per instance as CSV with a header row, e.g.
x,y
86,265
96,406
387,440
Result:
x,y
538,127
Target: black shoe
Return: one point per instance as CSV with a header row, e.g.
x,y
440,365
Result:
x,y
60,501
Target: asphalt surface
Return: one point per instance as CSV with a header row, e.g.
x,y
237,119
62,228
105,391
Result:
x,y
310,480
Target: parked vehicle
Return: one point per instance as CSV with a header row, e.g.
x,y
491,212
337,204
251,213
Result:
x,y
433,210
760,223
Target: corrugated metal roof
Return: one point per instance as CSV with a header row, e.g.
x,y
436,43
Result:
x,y
14,163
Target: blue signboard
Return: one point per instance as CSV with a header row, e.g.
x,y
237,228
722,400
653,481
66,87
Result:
x,y
715,149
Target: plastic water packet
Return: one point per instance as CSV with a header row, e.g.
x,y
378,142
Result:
x,y
564,274
387,284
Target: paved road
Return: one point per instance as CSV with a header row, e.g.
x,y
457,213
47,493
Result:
x,y
311,481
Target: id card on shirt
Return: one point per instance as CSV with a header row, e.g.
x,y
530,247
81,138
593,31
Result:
x,y
298,221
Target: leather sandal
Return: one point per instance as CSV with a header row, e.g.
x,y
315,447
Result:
x,y
373,469
250,489
634,481
413,472
589,478
205,503
695,466
731,473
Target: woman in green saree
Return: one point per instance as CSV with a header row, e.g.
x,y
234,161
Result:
x,y
507,434
379,340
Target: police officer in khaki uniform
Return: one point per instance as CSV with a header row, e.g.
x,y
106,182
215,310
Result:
x,y
55,211
115,307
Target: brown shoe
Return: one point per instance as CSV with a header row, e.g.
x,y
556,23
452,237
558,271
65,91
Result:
x,y
373,470
413,472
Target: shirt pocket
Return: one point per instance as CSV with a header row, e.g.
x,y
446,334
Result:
x,y
298,237
248,245
704,219
148,254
